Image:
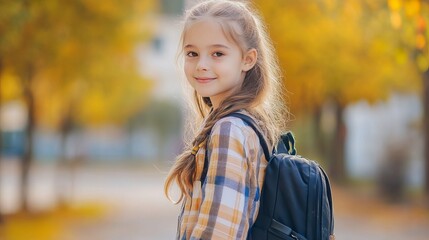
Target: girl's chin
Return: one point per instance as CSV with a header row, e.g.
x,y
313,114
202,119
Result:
x,y
204,93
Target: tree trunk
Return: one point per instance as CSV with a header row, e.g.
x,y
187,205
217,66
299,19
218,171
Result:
x,y
28,154
337,164
426,127
65,168
319,136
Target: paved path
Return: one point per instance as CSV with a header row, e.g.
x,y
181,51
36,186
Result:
x,y
139,210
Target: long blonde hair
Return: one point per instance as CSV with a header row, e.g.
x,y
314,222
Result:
x,y
260,93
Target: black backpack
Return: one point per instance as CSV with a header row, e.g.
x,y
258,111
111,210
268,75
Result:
x,y
296,200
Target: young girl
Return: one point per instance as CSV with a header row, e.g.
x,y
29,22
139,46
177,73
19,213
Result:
x,y
230,64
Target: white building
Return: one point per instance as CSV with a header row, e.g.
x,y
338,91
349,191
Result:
x,y
374,131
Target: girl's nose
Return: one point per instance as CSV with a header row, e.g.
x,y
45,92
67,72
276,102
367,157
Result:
x,y
202,64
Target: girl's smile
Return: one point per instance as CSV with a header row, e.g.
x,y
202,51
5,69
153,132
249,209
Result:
x,y
204,79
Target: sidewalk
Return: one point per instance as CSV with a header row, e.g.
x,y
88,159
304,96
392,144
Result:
x,y
145,214
137,208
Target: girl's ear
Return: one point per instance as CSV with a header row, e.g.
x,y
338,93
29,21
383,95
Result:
x,y
249,59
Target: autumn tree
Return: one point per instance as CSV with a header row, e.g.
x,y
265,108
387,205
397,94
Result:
x,y
409,19
337,51
74,62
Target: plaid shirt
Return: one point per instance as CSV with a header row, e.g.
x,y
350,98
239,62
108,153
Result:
x,y
227,203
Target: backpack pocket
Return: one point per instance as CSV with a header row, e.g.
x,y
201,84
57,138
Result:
x,y
279,231
261,234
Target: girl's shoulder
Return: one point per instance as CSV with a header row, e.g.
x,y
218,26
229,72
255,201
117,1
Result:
x,y
230,120
234,132
233,124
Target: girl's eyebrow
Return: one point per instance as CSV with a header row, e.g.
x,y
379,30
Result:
x,y
219,46
211,46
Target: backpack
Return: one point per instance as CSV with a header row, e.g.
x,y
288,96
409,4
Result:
x,y
296,200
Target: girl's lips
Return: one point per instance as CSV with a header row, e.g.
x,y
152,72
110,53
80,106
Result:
x,y
204,80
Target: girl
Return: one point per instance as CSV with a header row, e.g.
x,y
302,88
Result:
x,y
230,64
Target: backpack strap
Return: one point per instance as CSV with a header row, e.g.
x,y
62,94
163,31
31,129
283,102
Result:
x,y
205,168
328,189
287,142
253,125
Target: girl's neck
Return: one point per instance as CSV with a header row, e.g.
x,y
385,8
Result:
x,y
215,104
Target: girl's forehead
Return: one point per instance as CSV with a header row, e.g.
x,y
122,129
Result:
x,y
208,30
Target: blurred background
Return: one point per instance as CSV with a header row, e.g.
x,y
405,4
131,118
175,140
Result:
x,y
91,113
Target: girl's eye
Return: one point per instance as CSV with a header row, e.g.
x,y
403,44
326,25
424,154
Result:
x,y
191,54
218,54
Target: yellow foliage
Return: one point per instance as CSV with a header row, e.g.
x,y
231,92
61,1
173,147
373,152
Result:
x,y
10,86
420,41
37,228
73,54
94,107
344,50
395,5
107,8
412,7
50,225
422,63
396,20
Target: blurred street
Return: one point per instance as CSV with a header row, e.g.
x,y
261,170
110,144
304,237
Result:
x,y
137,208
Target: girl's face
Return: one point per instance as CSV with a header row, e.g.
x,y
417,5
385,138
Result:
x,y
214,65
